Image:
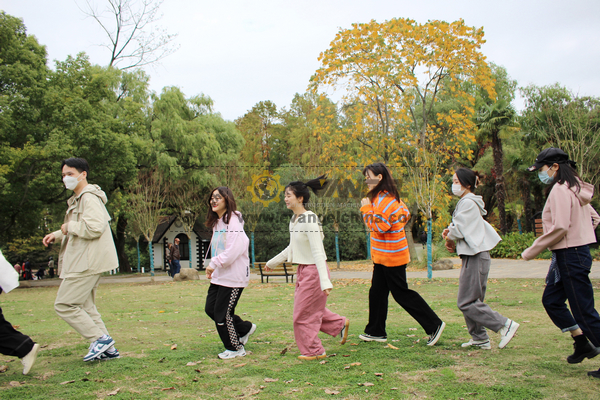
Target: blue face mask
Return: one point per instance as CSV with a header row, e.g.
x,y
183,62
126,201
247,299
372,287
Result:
x,y
545,178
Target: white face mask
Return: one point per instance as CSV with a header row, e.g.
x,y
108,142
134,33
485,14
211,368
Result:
x,y
71,182
457,189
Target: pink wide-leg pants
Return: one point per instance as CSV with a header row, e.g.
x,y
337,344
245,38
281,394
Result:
x,y
310,313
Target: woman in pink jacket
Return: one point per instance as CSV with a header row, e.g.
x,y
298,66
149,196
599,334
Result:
x,y
228,272
569,221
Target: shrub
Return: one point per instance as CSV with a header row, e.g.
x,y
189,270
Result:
x,y
512,245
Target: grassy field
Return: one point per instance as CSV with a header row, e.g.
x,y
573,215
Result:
x,y
147,320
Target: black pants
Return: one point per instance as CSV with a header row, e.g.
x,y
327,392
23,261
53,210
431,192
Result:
x,y
13,342
220,307
393,279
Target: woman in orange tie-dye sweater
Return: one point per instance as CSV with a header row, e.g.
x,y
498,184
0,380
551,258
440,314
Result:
x,y
385,216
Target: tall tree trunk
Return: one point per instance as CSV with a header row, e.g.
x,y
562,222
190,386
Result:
x,y
500,188
527,206
120,244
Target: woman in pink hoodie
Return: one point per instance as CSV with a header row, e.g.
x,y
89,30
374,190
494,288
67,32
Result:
x,y
228,272
569,221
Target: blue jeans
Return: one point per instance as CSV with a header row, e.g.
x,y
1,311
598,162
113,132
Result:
x,y
574,265
175,267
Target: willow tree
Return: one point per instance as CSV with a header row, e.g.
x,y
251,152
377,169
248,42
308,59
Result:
x,y
393,77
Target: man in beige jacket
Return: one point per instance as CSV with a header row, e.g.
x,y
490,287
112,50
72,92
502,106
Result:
x,y
87,250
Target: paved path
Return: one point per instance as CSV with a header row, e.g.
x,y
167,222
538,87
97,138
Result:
x,y
500,269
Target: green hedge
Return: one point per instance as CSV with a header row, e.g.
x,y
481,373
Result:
x,y
513,244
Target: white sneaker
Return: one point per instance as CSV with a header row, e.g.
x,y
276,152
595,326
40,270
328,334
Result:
x,y
244,339
481,344
507,332
29,359
228,354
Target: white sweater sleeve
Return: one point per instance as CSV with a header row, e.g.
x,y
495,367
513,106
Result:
x,y
279,258
315,239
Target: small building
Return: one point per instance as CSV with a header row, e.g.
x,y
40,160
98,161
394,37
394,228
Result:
x,y
170,228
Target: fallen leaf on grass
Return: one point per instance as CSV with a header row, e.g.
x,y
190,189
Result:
x,y
353,344
290,381
191,364
366,384
284,351
355,364
378,374
323,362
3,368
271,380
66,382
261,387
327,391
308,383
174,347
17,326
114,392
169,388
161,311
346,355
15,383
392,346
412,329
239,365
161,360
198,370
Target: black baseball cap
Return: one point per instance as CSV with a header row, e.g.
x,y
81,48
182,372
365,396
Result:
x,y
549,156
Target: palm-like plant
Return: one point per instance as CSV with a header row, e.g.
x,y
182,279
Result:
x,y
496,121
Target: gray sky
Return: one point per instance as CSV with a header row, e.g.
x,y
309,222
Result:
x,y
242,52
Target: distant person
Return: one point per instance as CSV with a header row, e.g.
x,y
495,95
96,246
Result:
x,y
386,215
18,268
175,258
228,272
41,272
473,238
51,267
27,274
313,284
87,250
568,221
423,238
168,252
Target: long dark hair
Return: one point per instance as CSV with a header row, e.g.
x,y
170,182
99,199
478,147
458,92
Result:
x,y
566,173
469,179
386,183
212,217
300,189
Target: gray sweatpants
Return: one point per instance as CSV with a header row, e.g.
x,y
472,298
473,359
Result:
x,y
472,285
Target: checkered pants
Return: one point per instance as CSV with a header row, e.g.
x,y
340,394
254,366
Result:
x,y
220,307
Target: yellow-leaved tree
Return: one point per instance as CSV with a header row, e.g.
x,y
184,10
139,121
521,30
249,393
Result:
x,y
408,95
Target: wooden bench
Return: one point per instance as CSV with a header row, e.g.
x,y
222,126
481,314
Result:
x,y
285,269
539,227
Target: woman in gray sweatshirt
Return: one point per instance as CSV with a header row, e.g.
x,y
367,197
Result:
x,y
474,238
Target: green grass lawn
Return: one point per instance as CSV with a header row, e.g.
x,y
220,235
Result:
x,y
146,320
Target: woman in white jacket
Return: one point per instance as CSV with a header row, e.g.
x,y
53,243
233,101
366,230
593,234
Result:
x,y
228,272
312,285
473,238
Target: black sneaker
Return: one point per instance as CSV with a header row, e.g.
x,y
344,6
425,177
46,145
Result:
x,y
586,351
594,374
436,336
370,338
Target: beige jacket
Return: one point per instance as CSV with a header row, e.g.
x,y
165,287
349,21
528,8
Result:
x,y
88,248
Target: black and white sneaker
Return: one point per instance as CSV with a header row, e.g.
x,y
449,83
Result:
x,y
110,354
244,339
433,339
370,338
